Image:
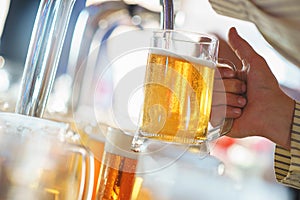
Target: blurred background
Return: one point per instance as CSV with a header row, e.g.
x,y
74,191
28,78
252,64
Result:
x,y
249,160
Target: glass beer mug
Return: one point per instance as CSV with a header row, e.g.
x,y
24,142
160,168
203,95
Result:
x,y
178,90
41,159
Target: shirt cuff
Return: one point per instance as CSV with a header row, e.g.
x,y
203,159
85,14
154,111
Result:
x,y
287,163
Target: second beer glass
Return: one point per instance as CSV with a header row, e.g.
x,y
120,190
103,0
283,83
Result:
x,y
118,169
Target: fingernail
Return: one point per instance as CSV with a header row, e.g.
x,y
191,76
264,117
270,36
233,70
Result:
x,y
241,100
237,110
229,74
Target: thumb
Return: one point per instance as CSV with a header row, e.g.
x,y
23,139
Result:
x,y
240,46
247,54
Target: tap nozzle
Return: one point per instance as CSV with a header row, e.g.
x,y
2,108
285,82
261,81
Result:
x,y
167,14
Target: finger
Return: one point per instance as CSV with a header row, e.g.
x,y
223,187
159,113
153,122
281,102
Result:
x,y
226,52
233,112
218,115
224,72
229,99
230,85
247,54
240,46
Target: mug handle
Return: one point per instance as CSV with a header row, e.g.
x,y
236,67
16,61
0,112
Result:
x,y
87,171
227,123
242,75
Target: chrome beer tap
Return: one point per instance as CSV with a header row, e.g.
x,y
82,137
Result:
x,y
43,55
167,14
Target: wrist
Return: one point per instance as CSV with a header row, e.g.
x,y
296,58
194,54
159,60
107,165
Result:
x,y
280,131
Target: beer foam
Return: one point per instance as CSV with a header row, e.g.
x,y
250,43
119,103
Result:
x,y
18,123
195,60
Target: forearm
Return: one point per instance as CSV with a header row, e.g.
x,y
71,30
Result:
x,y
278,126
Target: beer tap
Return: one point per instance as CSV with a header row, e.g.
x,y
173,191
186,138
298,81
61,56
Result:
x,y
45,49
167,14
43,55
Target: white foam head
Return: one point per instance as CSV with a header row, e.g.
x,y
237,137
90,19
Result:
x,y
196,60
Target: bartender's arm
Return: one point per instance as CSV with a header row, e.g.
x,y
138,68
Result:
x,y
269,113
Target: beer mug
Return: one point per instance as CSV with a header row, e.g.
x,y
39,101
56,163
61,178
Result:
x,y
118,169
42,159
178,89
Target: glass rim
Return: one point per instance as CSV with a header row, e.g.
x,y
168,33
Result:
x,y
214,39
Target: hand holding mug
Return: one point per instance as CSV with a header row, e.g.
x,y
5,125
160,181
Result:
x,y
268,112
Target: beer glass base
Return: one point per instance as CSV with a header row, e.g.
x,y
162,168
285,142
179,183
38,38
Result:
x,y
141,137
141,143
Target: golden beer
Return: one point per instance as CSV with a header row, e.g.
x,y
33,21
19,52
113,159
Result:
x,y
95,145
117,177
119,164
40,170
53,184
90,136
178,93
